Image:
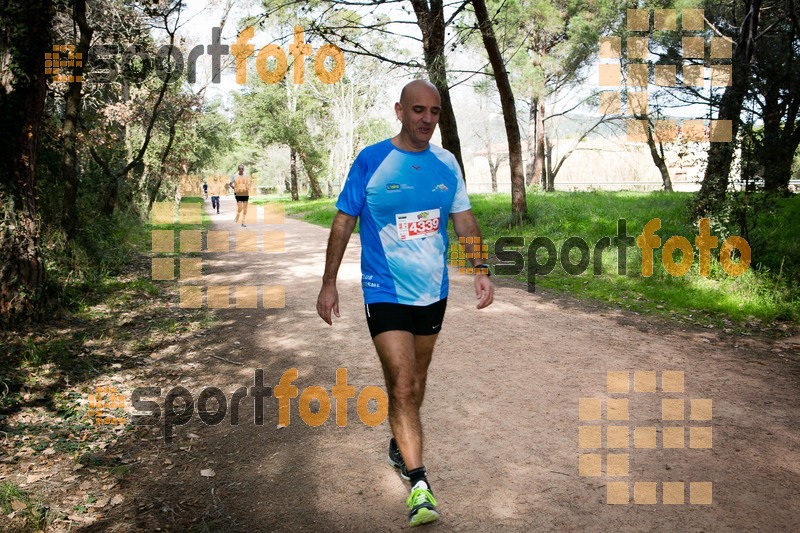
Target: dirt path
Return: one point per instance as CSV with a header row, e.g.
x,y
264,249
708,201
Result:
x,y
501,417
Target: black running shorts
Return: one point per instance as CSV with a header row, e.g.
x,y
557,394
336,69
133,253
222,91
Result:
x,y
419,320
242,198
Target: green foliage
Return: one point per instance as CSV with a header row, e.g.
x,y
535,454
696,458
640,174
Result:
x,y
102,248
207,140
769,290
549,42
271,114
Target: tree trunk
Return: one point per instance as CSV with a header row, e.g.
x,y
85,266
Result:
x,y
431,24
24,39
311,172
720,154
163,169
778,171
519,207
494,164
72,110
549,178
293,173
658,158
117,183
779,143
536,145
538,164
529,171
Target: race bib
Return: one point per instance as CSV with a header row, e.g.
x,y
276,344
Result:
x,y
418,225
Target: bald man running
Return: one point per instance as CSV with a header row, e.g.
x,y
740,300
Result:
x,y
405,190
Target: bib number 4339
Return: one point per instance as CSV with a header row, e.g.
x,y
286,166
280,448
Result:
x,y
418,225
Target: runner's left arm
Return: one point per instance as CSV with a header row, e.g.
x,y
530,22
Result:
x,y
466,225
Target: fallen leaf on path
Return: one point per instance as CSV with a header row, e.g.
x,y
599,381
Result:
x,y
117,499
101,502
208,472
17,505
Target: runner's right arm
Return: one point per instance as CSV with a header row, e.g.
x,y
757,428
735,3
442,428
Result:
x,y
341,230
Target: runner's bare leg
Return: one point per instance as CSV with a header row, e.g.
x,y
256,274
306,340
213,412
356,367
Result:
x,y
405,359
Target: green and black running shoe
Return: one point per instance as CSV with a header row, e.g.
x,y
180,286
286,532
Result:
x,y
421,505
396,459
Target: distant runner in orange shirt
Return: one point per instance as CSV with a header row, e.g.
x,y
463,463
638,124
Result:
x,y
241,190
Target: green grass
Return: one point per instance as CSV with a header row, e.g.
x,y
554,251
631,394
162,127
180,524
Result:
x,y
767,291
31,517
319,212
594,215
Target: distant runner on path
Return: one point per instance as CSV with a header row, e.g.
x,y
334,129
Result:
x,y
218,186
241,189
404,190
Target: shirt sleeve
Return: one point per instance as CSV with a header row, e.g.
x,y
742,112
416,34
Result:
x,y
354,193
461,200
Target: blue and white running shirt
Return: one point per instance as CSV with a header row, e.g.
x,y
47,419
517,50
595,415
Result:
x,y
404,200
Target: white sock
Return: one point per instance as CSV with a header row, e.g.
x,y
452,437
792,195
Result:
x,y
420,485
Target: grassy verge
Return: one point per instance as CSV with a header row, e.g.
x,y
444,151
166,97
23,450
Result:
x,y
319,212
766,292
591,216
